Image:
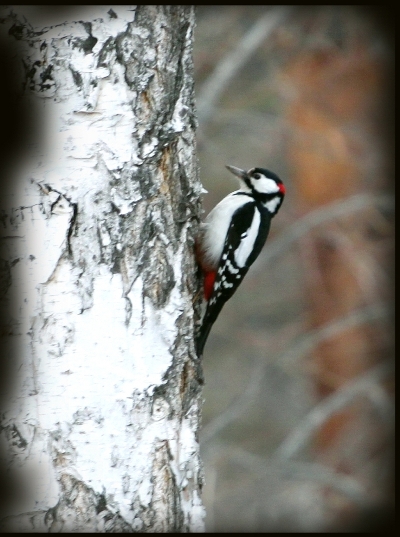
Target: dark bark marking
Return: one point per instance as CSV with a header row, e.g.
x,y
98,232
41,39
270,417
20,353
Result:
x,y
86,45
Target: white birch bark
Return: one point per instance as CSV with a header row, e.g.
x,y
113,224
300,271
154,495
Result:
x,y
102,401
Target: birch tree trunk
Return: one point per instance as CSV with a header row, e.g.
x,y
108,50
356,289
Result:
x,y
101,403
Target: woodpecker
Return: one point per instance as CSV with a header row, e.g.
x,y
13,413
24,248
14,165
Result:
x,y
232,237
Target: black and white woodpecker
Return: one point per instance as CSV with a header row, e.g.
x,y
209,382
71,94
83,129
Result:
x,y
232,237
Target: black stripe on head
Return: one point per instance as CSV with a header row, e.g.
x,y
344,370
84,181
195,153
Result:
x,y
266,172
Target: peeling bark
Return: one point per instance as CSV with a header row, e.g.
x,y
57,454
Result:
x,y
103,394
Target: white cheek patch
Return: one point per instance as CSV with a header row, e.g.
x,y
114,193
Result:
x,y
265,185
271,205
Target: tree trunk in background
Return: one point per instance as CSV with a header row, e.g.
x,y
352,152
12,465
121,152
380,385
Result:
x,y
102,401
338,100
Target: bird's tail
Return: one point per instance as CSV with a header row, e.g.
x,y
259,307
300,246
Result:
x,y
209,319
202,337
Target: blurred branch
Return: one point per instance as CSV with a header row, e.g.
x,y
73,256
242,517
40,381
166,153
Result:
x,y
308,471
317,217
226,69
236,408
300,435
295,352
313,338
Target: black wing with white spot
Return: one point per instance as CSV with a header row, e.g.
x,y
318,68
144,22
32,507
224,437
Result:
x,y
245,238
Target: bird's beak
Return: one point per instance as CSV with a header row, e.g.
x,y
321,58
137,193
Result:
x,y
242,174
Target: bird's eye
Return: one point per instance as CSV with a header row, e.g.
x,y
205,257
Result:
x,y
256,176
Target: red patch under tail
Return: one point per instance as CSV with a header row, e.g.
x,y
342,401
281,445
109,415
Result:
x,y
209,279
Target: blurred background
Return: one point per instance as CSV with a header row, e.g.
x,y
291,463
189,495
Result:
x,y
298,421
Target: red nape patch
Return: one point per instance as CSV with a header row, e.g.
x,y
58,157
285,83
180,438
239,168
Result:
x,y
209,279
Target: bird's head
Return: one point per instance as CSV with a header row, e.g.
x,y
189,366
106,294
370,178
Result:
x,y
259,181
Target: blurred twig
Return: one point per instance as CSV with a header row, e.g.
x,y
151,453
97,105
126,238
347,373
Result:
x,y
313,338
237,408
300,435
309,471
296,351
233,61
